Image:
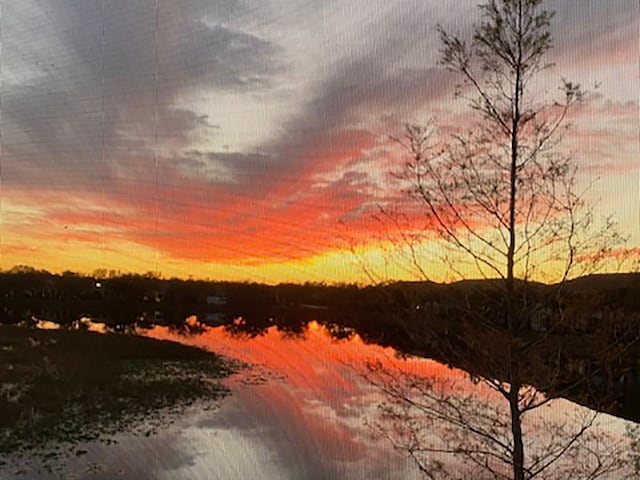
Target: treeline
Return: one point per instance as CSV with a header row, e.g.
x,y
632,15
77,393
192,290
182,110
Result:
x,y
26,292
28,282
378,312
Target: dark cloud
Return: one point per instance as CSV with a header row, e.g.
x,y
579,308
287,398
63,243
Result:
x,y
91,84
338,121
110,79
391,76
221,167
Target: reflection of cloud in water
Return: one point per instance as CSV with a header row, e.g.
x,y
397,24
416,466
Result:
x,y
314,419
309,414
304,420
263,440
300,414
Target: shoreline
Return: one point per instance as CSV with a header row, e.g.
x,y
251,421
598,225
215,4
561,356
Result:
x,y
60,388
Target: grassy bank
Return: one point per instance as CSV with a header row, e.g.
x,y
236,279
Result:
x,y
65,387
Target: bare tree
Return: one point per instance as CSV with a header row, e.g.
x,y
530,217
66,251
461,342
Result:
x,y
503,203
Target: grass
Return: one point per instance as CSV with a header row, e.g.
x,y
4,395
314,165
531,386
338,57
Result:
x,y
67,387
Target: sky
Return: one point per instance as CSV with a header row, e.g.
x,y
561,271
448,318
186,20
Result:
x,y
248,139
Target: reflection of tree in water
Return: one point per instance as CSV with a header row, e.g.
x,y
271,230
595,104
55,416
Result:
x,y
258,324
189,327
452,428
433,416
435,420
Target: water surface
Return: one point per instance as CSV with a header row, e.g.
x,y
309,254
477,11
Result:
x,y
301,411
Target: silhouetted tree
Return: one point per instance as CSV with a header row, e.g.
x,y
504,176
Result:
x,y
503,203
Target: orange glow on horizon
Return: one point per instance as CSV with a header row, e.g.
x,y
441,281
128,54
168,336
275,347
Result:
x,y
301,238
363,265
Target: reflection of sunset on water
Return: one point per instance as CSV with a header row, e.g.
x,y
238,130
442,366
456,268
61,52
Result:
x,y
307,406
306,400
312,395
314,358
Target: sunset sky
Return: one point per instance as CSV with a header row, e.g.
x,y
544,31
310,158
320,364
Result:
x,y
248,139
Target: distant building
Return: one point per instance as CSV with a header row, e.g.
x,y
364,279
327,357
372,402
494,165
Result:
x,y
216,300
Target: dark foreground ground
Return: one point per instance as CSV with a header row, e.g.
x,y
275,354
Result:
x,y
60,388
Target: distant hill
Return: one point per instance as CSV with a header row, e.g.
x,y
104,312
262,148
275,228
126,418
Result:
x,y
595,282
604,282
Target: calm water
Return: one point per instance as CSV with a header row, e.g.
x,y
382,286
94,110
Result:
x,y
301,412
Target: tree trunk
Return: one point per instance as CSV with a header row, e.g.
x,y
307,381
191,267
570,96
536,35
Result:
x,y
516,432
514,407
